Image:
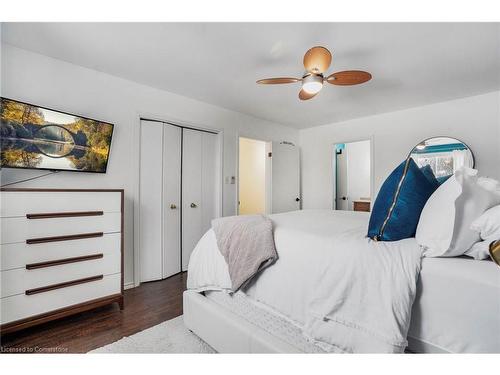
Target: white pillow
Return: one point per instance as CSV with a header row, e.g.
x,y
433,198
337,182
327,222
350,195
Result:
x,y
437,219
480,250
444,225
489,184
488,224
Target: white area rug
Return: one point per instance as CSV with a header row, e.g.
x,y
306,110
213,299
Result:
x,y
171,336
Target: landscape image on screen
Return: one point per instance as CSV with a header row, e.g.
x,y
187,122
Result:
x,y
35,137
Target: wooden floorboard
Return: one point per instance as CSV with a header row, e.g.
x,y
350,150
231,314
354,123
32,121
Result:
x,y
145,306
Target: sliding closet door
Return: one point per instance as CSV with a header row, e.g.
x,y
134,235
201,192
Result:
x,y
171,200
151,204
199,193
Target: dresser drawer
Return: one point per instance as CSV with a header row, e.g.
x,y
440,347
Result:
x,y
22,306
18,255
20,280
15,203
21,229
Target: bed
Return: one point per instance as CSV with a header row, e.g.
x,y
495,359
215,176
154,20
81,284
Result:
x,y
457,307
456,304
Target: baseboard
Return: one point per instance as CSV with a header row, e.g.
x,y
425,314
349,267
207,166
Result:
x,y
129,285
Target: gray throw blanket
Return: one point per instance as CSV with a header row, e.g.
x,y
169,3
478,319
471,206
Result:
x,y
247,244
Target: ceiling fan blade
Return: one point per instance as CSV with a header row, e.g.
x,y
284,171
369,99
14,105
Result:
x,y
349,77
277,81
304,95
317,59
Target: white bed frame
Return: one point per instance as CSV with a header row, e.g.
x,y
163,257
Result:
x,y
227,332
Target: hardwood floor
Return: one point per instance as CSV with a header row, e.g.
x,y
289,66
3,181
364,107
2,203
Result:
x,y
145,306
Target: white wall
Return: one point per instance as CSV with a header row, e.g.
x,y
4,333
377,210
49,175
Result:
x,y
38,79
474,120
252,177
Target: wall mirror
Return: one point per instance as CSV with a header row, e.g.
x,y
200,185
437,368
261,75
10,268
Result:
x,y
445,155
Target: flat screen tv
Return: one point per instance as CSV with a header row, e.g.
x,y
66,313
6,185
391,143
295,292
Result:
x,y
35,137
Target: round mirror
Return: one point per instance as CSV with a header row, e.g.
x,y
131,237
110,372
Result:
x,y
444,155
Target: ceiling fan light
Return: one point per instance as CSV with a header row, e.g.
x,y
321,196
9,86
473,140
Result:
x,y
312,84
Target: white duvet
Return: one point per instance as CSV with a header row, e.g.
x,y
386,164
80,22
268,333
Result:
x,y
340,287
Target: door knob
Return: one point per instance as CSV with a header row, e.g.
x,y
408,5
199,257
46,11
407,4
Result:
x,y
344,198
193,205
297,199
173,206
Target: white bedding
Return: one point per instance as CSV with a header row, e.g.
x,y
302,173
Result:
x,y
457,308
345,289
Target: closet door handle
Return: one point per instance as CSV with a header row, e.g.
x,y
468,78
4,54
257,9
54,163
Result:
x,y
173,206
193,205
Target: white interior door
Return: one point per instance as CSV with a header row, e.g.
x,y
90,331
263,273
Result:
x,y
210,178
191,192
285,178
342,195
151,202
171,200
199,187
200,177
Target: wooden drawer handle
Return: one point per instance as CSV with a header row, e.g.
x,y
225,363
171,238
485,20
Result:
x,y
64,238
51,215
66,284
51,263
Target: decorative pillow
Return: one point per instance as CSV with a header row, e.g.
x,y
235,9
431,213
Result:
x,y
480,250
489,184
429,174
399,202
435,227
488,224
444,226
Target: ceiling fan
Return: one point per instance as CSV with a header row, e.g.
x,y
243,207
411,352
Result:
x,y
316,61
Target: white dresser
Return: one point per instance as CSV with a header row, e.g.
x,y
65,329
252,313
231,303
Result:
x,y
61,253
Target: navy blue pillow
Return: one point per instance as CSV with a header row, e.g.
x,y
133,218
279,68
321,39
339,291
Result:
x,y
429,174
399,203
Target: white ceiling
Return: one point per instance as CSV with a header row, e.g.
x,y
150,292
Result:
x,y
412,64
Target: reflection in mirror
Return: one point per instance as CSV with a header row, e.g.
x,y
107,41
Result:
x,y
444,155
352,176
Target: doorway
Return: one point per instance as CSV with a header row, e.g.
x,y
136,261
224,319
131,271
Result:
x,y
352,176
254,176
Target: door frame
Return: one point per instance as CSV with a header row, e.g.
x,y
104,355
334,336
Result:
x,y
269,166
137,175
333,192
